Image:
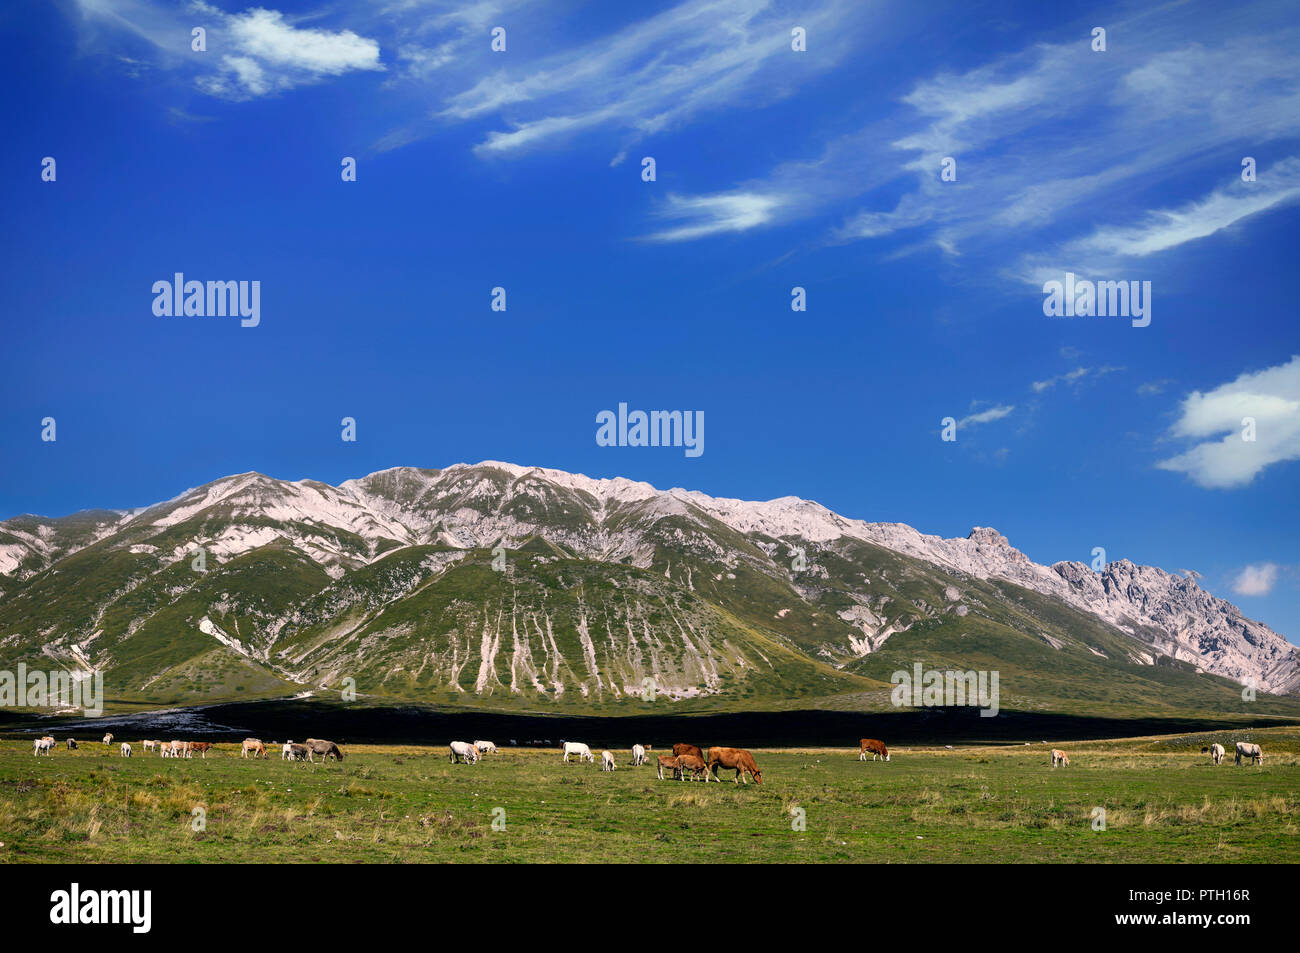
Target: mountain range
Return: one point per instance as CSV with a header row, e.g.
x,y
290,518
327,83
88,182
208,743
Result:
x,y
522,588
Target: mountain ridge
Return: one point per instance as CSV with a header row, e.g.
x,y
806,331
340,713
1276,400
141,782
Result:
x,y
729,567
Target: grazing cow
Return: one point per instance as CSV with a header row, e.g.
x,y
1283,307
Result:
x,y
638,755
486,747
579,749
165,749
45,745
326,750
72,744
737,758
672,764
252,748
607,761
299,752
877,749
108,739
287,751
464,750
681,749
1246,749
203,747
126,750
1215,751
149,745
1060,757
697,767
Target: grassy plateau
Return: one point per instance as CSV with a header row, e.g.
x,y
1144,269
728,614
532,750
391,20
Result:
x,y
1164,802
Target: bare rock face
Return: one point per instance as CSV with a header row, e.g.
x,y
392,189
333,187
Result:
x,y
1191,624
1168,614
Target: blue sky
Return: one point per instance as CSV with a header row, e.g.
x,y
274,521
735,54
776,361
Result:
x,y
775,169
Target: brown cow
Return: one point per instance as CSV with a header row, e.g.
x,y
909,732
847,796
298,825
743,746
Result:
x,y
252,748
737,758
202,747
877,749
697,767
673,764
681,749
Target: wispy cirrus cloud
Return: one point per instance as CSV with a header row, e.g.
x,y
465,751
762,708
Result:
x,y
701,215
652,74
1045,186
1151,388
1270,398
1162,229
1076,376
986,416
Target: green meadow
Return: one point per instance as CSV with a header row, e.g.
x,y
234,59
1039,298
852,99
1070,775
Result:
x,y
1164,802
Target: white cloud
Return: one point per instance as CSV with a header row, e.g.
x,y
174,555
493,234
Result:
x,y
712,214
650,75
1151,388
647,76
1270,397
986,416
1222,208
1078,375
274,55
264,34
1037,170
1255,580
255,53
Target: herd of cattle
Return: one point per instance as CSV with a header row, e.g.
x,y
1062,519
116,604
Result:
x,y
251,748
686,759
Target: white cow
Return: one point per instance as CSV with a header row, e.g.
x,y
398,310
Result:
x,y
1215,751
165,749
463,749
126,750
1246,749
639,755
42,744
607,761
149,745
578,748
486,747
108,738
286,753
1060,757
